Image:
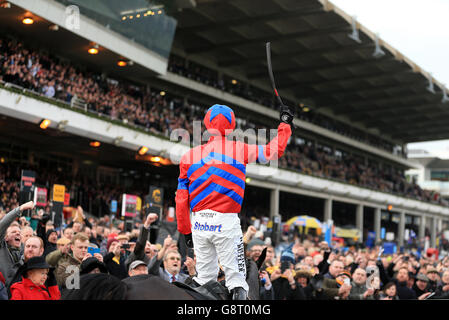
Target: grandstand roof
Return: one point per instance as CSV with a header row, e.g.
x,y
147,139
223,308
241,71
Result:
x,y
317,63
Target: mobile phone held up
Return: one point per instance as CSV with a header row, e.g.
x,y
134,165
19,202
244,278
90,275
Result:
x,y
284,266
93,250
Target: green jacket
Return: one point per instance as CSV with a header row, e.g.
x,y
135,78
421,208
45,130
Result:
x,y
330,289
61,262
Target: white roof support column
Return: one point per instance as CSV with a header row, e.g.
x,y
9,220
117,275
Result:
x,y
433,232
274,202
401,229
328,209
359,221
377,221
422,228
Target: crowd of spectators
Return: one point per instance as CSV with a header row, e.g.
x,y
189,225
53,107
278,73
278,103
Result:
x,y
43,263
162,113
83,190
314,160
306,268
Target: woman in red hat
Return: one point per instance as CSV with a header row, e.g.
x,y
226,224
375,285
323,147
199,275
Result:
x,y
32,285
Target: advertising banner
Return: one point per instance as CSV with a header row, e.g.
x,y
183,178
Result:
x,y
67,199
129,205
157,196
27,181
40,197
58,193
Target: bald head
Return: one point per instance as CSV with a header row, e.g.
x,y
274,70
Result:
x,y
359,276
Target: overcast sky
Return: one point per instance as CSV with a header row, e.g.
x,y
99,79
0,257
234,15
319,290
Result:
x,y
419,29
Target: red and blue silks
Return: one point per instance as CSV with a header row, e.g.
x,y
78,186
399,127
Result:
x,y
212,176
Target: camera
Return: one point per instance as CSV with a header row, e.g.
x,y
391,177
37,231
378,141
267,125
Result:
x,y
371,270
406,258
126,246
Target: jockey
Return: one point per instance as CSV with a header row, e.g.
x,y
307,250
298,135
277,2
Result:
x,y
210,194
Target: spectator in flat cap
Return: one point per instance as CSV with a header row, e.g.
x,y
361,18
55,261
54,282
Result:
x,y
434,277
421,284
137,267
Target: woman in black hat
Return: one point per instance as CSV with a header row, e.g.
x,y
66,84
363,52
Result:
x,y
32,285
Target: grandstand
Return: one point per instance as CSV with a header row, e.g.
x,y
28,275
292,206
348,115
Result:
x,y
358,102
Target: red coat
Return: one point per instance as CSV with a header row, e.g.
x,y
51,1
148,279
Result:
x,y
27,290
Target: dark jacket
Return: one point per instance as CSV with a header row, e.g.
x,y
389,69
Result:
x,y
86,222
440,294
383,274
323,266
114,268
330,289
418,291
432,285
404,292
308,292
49,247
266,294
139,249
283,290
382,295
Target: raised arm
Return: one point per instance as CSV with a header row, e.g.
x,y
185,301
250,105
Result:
x,y
182,200
11,216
